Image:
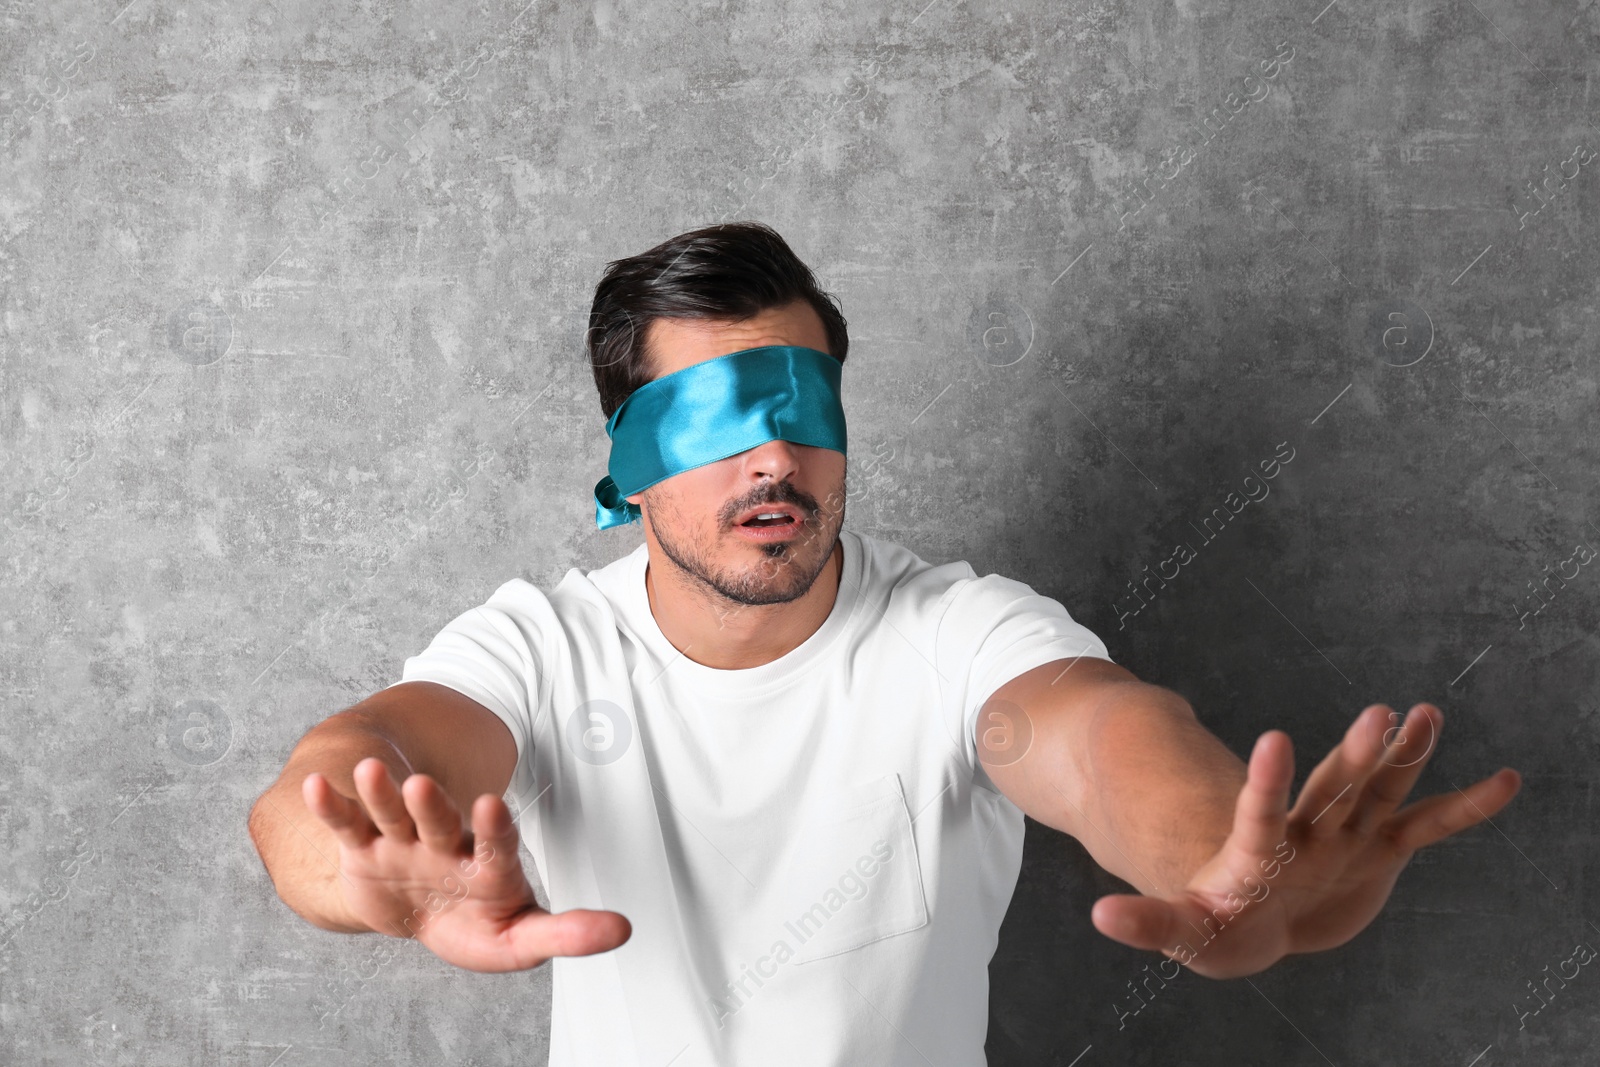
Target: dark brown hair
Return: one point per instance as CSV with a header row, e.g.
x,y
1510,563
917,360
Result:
x,y
724,273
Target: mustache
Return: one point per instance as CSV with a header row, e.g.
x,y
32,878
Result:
x,y
776,493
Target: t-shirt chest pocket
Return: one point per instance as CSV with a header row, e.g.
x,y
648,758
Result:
x,y
853,876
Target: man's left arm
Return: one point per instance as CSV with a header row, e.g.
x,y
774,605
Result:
x,y
1085,747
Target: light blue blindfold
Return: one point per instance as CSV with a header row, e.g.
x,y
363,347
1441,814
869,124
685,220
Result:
x,y
715,409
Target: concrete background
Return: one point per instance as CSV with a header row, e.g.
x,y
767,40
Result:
x,y
293,297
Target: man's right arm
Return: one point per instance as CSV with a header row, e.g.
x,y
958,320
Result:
x,y
413,728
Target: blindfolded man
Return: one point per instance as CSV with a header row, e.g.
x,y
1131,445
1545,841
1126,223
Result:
x,y
773,771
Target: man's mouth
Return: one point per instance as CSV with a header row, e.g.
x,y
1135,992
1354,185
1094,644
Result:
x,y
769,516
779,519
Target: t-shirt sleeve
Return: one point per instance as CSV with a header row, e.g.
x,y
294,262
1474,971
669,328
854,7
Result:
x,y
491,654
996,628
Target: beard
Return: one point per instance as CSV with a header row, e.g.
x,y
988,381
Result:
x,y
789,567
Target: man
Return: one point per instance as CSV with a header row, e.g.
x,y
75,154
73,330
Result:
x,y
773,772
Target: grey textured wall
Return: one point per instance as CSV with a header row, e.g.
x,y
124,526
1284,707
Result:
x,y
293,297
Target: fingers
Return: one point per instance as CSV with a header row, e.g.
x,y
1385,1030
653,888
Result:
x,y
1260,815
1409,746
1411,740
495,834
418,809
1331,791
376,787
342,815
1437,817
435,815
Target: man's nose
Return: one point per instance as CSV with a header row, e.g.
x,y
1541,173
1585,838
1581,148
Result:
x,y
777,460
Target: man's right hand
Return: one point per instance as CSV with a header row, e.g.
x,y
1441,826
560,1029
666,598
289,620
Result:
x,y
408,848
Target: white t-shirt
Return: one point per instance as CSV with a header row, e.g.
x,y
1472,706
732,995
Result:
x,y
814,863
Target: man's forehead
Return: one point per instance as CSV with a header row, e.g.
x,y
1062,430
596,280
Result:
x,y
673,344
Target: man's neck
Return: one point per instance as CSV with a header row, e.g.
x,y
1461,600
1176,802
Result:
x,y
716,632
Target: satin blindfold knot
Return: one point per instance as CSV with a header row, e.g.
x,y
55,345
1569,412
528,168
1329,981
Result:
x,y
715,409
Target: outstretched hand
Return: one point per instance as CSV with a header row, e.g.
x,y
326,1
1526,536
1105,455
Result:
x,y
1311,877
411,869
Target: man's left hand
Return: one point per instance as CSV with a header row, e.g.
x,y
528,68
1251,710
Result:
x,y
1311,878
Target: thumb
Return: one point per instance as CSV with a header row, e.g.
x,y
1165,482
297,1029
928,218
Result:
x,y
1138,921
537,935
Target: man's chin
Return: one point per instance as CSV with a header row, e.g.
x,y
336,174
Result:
x,y
776,580
756,597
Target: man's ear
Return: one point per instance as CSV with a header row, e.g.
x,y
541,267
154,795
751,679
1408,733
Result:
x,y
636,499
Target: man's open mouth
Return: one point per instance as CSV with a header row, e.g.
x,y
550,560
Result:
x,y
769,515
779,519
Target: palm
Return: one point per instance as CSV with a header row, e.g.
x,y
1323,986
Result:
x,y
1312,877
410,869
460,915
